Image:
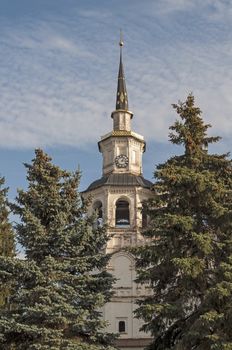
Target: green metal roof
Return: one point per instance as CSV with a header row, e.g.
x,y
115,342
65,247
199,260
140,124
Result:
x,y
125,179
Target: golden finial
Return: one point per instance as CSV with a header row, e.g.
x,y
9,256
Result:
x,y
121,43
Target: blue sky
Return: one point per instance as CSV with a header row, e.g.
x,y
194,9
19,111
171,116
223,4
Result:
x,y
58,71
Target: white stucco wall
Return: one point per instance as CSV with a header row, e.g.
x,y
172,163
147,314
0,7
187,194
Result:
x,y
121,265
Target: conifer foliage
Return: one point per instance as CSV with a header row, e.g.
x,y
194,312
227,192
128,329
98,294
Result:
x,y
62,283
188,262
6,237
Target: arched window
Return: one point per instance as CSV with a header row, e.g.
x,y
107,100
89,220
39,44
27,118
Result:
x,y
144,219
121,326
122,214
98,209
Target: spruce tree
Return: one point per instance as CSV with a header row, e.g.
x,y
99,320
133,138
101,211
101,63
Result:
x,y
188,262
62,283
6,238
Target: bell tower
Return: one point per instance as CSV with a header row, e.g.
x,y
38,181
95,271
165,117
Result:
x,y
117,196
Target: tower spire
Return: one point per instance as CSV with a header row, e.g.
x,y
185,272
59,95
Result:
x,y
121,98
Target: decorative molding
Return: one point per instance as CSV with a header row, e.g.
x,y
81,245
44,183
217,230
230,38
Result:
x,y
137,343
121,191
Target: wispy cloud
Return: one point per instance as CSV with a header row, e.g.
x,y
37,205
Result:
x,y
58,75
210,9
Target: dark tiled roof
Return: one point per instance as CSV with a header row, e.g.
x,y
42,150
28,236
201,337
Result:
x,y
120,180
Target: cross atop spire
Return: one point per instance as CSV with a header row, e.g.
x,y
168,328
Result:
x,y
121,98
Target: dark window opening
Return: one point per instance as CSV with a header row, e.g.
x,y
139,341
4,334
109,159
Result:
x,y
122,326
144,220
122,216
98,210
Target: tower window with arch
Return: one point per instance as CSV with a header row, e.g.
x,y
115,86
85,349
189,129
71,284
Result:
x,y
97,207
122,213
144,212
144,219
121,326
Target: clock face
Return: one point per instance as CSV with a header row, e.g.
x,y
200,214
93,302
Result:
x,y
121,161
